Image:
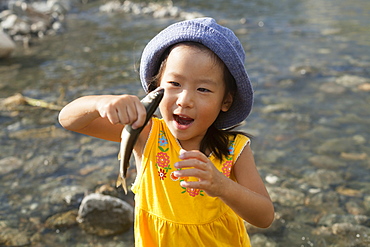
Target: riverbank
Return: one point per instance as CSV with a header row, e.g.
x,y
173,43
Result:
x,y
310,121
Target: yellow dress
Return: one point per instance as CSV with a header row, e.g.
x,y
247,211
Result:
x,y
167,214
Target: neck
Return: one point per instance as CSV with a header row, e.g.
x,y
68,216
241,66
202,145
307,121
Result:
x,y
188,146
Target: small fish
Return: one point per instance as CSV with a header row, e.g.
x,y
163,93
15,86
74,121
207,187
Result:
x,y
129,135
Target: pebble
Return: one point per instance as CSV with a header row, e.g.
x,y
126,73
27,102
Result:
x,y
276,108
326,162
62,220
7,46
351,81
337,145
358,232
367,202
364,87
353,156
354,207
67,194
326,199
156,10
104,215
271,179
260,240
348,191
22,21
323,178
13,237
9,164
332,88
286,197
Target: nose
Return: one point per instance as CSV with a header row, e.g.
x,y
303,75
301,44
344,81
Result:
x,y
185,99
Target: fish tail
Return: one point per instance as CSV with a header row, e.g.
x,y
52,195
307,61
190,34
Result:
x,y
121,181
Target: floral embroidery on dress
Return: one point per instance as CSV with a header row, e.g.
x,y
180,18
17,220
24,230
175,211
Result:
x,y
192,192
162,174
163,160
226,167
173,177
162,141
163,165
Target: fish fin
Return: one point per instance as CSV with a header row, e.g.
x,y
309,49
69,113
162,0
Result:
x,y
121,181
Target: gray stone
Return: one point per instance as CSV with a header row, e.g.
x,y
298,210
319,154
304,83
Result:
x,y
104,215
286,197
9,164
360,233
259,240
329,198
13,237
351,80
62,220
7,46
332,219
323,178
325,161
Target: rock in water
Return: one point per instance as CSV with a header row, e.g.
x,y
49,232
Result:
x,y
105,215
7,45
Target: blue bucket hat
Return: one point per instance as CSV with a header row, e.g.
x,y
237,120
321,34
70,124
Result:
x,y
223,42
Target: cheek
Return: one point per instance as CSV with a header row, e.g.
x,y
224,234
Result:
x,y
164,106
215,104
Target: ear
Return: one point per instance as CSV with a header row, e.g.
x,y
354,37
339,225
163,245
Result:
x,y
226,104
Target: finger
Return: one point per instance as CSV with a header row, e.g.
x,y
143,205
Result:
x,y
191,172
123,115
140,115
131,114
126,110
191,163
191,184
112,116
194,154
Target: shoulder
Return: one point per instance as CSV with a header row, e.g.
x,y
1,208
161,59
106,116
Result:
x,y
237,144
241,139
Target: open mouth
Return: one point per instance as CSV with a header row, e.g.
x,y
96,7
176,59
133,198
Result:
x,y
183,120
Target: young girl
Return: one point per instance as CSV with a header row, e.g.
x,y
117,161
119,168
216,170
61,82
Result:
x,y
196,181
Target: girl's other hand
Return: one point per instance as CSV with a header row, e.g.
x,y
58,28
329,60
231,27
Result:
x,y
199,166
122,109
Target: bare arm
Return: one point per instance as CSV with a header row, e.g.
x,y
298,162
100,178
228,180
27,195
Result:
x,y
103,116
248,198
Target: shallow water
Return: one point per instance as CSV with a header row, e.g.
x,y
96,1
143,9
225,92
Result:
x,y
309,63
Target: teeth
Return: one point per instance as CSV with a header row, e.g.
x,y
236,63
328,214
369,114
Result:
x,y
183,120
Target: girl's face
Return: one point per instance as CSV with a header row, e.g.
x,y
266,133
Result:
x,y
194,93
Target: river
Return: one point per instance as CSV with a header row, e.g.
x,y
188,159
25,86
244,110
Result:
x,y
309,64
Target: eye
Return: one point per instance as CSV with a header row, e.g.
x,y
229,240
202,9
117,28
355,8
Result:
x,y
204,90
175,84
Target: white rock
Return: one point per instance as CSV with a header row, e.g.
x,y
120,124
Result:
x,y
7,46
271,179
9,21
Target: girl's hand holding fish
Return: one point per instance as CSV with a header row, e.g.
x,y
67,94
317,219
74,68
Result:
x,y
103,116
122,109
